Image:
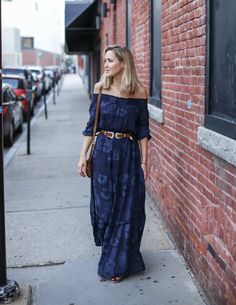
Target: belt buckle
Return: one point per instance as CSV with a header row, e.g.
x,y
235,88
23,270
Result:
x,y
112,134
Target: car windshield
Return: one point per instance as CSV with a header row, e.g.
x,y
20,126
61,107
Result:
x,y
13,71
35,71
48,72
35,77
14,82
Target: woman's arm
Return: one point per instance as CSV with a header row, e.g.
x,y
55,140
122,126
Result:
x,y
143,144
81,167
144,131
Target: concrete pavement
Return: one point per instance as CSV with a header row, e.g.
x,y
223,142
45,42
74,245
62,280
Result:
x,y
49,237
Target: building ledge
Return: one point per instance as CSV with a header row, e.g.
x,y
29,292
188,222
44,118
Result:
x,y
156,114
216,143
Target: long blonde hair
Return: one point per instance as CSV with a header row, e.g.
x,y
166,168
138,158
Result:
x,y
130,81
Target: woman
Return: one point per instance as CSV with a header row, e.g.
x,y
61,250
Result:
x,y
119,165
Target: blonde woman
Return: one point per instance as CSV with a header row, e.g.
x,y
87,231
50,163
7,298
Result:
x,y
117,204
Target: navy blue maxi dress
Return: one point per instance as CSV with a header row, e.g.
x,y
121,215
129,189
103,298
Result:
x,y
117,205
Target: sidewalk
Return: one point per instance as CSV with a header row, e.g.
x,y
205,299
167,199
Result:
x,y
49,236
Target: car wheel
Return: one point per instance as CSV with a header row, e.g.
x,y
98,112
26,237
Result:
x,y
10,136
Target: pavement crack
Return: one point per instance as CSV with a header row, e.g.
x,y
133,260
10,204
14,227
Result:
x,y
44,264
50,209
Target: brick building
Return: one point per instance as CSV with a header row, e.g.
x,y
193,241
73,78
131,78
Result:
x,y
40,57
185,55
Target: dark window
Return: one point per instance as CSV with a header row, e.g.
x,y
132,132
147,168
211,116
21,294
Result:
x,y
14,82
221,68
13,71
155,77
128,23
107,39
97,63
38,72
27,42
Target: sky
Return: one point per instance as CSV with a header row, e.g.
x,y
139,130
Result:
x,y
43,19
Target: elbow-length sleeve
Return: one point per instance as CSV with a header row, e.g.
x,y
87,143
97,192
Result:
x,y
143,130
88,131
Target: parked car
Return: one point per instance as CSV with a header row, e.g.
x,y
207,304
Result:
x,y
12,114
56,72
26,72
19,85
38,87
48,79
49,72
37,73
38,70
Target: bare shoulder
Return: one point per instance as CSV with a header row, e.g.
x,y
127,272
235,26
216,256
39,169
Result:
x,y
97,87
142,92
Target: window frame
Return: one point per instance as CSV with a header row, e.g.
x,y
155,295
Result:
x,y
128,23
213,122
155,100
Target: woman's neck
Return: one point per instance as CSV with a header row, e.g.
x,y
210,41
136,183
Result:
x,y
116,83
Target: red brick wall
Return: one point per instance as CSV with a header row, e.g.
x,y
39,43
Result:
x,y
140,38
121,22
107,27
30,57
194,190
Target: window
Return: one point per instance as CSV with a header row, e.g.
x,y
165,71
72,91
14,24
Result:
x,y
11,81
128,23
27,42
155,77
12,95
221,68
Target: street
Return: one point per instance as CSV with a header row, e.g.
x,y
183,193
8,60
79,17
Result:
x,y
48,232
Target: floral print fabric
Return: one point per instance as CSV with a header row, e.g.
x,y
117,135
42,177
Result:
x,y
117,205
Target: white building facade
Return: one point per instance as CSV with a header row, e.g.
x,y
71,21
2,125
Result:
x,y
41,20
11,47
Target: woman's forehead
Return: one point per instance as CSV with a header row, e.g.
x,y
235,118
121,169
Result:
x,y
110,54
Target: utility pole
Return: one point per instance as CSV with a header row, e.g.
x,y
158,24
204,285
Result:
x,y
9,289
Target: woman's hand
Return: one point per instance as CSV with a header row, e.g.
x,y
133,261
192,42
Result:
x,y
144,168
81,166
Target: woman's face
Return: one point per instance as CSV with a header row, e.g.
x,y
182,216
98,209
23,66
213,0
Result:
x,y
112,65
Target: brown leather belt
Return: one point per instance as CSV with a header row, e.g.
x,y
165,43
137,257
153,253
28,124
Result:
x,y
117,135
